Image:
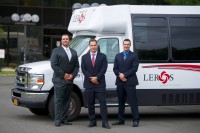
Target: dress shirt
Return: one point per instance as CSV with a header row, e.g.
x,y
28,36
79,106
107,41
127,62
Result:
x,y
125,53
95,54
69,54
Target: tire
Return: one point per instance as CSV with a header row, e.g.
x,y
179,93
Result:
x,y
38,111
74,110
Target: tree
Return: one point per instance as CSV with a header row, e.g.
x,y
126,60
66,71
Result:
x,y
183,2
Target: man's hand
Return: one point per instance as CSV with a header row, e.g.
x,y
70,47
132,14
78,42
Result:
x,y
122,77
94,80
68,76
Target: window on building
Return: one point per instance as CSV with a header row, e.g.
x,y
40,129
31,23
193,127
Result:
x,y
150,37
30,2
9,2
54,3
110,47
5,14
9,42
53,17
185,38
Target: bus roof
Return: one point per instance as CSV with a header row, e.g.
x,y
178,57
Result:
x,y
162,9
117,18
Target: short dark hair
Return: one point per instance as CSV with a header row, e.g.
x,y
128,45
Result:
x,y
92,40
66,35
127,40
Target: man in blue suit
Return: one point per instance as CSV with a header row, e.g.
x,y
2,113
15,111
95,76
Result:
x,y
125,68
64,62
94,65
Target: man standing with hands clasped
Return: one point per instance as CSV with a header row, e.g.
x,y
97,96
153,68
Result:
x,y
64,62
125,68
94,66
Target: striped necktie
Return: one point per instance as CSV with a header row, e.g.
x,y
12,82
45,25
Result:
x,y
93,60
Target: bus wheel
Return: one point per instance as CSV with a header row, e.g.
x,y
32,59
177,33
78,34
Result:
x,y
74,110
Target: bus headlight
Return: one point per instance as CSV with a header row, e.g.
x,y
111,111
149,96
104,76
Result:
x,y
35,81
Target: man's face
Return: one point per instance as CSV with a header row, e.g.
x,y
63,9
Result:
x,y
126,45
65,41
93,46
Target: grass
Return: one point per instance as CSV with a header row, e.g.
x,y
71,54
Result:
x,y
7,72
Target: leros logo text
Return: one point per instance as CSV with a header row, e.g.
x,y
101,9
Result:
x,y
162,77
79,18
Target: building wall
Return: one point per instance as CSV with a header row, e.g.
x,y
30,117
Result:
x,y
44,35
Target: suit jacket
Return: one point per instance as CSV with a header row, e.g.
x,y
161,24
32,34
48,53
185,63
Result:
x,y
60,64
128,67
98,70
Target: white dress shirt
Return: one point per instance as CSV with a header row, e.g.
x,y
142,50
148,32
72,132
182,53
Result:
x,y
69,54
91,55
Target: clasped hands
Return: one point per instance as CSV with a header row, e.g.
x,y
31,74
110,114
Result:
x,y
122,77
68,76
94,80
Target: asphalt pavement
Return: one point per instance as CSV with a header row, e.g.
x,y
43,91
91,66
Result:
x,y
168,119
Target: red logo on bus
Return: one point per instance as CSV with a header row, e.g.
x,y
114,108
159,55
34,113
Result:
x,y
164,77
81,18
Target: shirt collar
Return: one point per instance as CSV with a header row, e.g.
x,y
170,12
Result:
x,y
126,52
65,48
93,53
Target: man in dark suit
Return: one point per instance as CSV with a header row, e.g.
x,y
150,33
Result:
x,y
94,65
125,68
64,62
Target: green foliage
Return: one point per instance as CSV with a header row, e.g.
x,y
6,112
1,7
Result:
x,y
1,32
183,2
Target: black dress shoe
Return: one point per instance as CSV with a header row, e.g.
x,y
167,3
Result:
x,y
92,124
66,123
118,123
106,126
57,124
135,124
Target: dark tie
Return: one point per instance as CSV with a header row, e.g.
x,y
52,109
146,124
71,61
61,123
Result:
x,y
93,60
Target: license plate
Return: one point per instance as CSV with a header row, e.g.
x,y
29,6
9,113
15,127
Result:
x,y
16,102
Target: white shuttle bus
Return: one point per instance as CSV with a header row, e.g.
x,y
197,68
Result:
x,y
166,38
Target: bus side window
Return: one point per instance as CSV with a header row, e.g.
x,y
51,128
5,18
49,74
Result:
x,y
110,47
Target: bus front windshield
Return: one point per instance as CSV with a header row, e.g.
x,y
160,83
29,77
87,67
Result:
x,y
80,43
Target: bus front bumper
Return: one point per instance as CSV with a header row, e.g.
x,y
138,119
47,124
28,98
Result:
x,y
29,99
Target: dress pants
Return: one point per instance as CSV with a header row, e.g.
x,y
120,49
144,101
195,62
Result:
x,y
101,94
62,97
124,91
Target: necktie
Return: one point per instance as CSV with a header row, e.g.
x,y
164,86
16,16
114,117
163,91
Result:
x,y
69,54
93,60
125,55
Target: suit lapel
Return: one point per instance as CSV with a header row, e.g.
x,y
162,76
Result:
x,y
64,52
89,58
122,57
72,52
96,60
